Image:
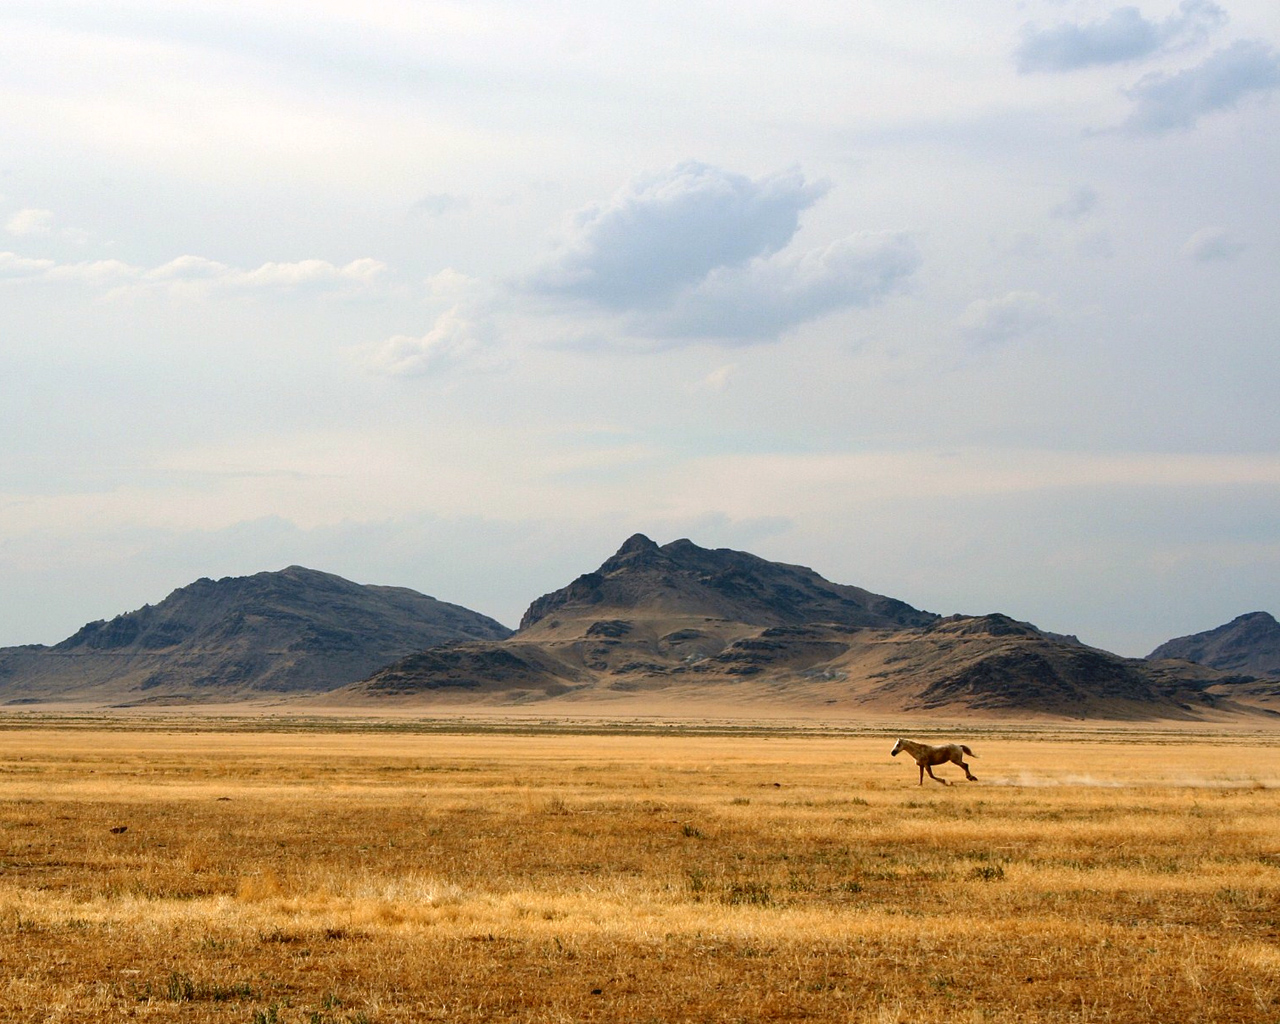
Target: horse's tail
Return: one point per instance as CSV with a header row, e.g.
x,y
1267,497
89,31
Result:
x,y
967,750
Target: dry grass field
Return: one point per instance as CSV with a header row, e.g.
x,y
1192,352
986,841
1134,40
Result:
x,y
335,876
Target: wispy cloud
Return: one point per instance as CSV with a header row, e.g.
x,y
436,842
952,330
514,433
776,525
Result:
x,y
1212,245
1123,36
1167,102
192,275
990,322
768,296
439,203
1077,206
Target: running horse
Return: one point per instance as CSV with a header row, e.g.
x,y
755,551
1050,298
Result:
x,y
927,756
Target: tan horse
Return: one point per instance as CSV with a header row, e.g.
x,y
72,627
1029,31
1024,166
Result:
x,y
927,756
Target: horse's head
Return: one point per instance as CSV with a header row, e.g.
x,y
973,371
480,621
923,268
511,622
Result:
x,y
897,748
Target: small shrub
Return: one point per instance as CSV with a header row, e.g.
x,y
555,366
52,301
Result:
x,y
180,988
748,893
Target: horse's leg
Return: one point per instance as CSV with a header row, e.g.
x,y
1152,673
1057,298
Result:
x,y
967,774
920,764
929,769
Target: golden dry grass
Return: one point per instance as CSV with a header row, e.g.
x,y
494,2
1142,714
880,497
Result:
x,y
336,877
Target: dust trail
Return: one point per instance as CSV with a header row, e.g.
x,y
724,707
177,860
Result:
x,y
1027,780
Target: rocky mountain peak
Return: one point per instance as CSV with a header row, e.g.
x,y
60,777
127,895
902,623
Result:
x,y
682,578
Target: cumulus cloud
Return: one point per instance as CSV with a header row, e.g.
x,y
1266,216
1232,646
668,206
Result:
x,y
1166,102
1125,35
1212,245
670,229
455,341
462,338
989,322
696,252
30,222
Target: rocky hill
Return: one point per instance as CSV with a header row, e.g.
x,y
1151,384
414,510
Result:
x,y
297,630
1248,644
685,623
684,579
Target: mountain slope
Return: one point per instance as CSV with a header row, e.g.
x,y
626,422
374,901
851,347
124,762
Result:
x,y
1247,644
296,630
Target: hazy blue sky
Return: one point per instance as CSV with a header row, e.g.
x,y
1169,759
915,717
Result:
x,y
977,305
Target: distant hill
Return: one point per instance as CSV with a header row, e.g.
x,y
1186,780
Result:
x,y
687,623
1247,644
296,630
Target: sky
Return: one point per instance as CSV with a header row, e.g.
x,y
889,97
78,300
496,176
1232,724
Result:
x,y
973,305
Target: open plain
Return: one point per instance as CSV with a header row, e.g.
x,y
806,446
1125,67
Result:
x,y
357,872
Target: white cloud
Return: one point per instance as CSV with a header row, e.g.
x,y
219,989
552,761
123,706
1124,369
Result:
x,y
189,268
192,275
97,274
999,321
1125,35
1167,102
1212,245
30,222
456,341
670,229
453,286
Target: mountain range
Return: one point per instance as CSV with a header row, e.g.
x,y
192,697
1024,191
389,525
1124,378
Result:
x,y
674,626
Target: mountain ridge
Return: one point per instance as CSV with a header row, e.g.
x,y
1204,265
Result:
x,y
292,630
